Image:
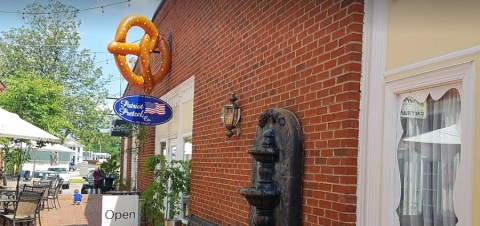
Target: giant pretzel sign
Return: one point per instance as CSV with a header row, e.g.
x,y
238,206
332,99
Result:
x,y
150,41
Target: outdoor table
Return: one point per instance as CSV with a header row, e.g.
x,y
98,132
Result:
x,y
5,202
39,186
6,187
33,186
122,192
8,191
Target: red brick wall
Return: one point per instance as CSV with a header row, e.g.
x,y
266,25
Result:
x,y
144,178
122,155
123,165
129,159
300,55
128,164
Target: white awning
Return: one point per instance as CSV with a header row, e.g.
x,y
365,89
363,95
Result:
x,y
11,125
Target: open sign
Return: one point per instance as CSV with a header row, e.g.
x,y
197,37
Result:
x,y
120,210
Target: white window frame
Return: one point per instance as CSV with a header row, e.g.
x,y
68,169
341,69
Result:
x,y
134,164
380,88
172,142
176,97
125,157
189,134
463,74
158,146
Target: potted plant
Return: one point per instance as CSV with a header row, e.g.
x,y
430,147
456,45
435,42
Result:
x,y
110,172
169,181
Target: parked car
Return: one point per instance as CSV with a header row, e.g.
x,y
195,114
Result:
x,y
44,174
106,183
63,173
88,183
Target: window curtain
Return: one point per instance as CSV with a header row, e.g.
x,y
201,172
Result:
x,y
428,156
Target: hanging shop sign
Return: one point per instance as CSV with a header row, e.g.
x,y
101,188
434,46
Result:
x,y
120,128
143,110
151,41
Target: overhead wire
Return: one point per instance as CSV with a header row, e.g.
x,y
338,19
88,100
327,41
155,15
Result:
x,y
102,7
110,59
67,11
72,11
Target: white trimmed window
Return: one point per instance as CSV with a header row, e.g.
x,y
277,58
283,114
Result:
x,y
428,151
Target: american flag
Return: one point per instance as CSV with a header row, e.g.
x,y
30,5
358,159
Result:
x,y
154,108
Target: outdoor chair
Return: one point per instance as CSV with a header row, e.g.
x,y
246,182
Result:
x,y
61,187
53,194
29,188
26,208
43,190
48,185
45,186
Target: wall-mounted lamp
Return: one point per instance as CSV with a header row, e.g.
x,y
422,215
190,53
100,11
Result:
x,y
231,114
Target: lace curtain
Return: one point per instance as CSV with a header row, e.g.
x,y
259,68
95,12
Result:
x,y
428,156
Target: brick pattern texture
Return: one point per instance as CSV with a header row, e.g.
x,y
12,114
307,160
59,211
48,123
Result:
x,y
301,55
129,158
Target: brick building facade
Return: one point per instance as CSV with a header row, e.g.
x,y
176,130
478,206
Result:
x,y
304,56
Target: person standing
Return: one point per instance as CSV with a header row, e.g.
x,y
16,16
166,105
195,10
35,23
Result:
x,y
97,180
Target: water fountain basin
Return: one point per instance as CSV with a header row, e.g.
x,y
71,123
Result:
x,y
260,198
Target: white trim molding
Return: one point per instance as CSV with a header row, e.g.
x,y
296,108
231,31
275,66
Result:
x,y
181,93
371,117
176,97
447,57
125,157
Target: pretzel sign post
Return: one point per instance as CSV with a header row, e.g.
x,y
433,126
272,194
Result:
x,y
150,41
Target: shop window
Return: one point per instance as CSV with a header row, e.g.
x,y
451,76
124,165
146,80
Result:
x,y
173,149
187,148
428,156
163,148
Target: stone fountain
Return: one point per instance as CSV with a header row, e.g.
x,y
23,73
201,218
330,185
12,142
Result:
x,y
277,169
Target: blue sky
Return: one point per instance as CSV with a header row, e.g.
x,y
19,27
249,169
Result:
x,y
97,30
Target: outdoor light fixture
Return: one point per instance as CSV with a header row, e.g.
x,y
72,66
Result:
x,y
231,114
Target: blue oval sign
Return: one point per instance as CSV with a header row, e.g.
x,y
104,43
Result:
x,y
143,110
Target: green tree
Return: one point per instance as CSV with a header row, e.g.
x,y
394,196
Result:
x,y
36,99
48,45
103,143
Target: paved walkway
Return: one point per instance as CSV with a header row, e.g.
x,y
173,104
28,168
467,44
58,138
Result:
x,y
88,213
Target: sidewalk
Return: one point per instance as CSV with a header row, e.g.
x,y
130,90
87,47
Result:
x,y
88,213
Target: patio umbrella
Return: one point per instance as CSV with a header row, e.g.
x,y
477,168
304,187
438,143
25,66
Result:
x,y
11,125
